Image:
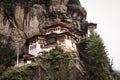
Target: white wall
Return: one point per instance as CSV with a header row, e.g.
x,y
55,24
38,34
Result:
x,y
36,50
56,31
69,44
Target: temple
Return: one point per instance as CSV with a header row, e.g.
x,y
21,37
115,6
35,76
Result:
x,y
57,35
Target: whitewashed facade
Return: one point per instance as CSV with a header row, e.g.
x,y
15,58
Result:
x,y
35,48
57,35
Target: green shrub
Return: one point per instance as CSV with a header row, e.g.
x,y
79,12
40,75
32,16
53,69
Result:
x,y
2,69
21,73
56,60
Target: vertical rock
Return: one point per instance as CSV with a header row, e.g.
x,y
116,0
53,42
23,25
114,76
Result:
x,y
19,15
29,18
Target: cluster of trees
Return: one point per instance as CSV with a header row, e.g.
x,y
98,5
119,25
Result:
x,y
53,65
96,59
5,54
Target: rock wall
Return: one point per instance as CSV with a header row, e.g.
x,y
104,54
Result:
x,y
23,19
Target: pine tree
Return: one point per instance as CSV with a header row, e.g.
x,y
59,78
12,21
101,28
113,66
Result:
x,y
98,65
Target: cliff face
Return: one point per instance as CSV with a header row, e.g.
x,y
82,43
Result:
x,y
22,19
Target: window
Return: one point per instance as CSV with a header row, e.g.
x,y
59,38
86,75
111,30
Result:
x,y
33,47
42,46
41,41
51,41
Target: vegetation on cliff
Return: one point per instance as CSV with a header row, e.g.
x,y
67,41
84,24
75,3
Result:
x,y
56,64
53,65
5,53
97,62
59,65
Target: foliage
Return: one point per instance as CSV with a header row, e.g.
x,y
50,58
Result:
x,y
2,39
5,52
58,60
2,69
21,73
97,66
5,57
55,55
53,64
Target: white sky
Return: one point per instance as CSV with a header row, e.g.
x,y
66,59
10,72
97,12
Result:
x,y
106,13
